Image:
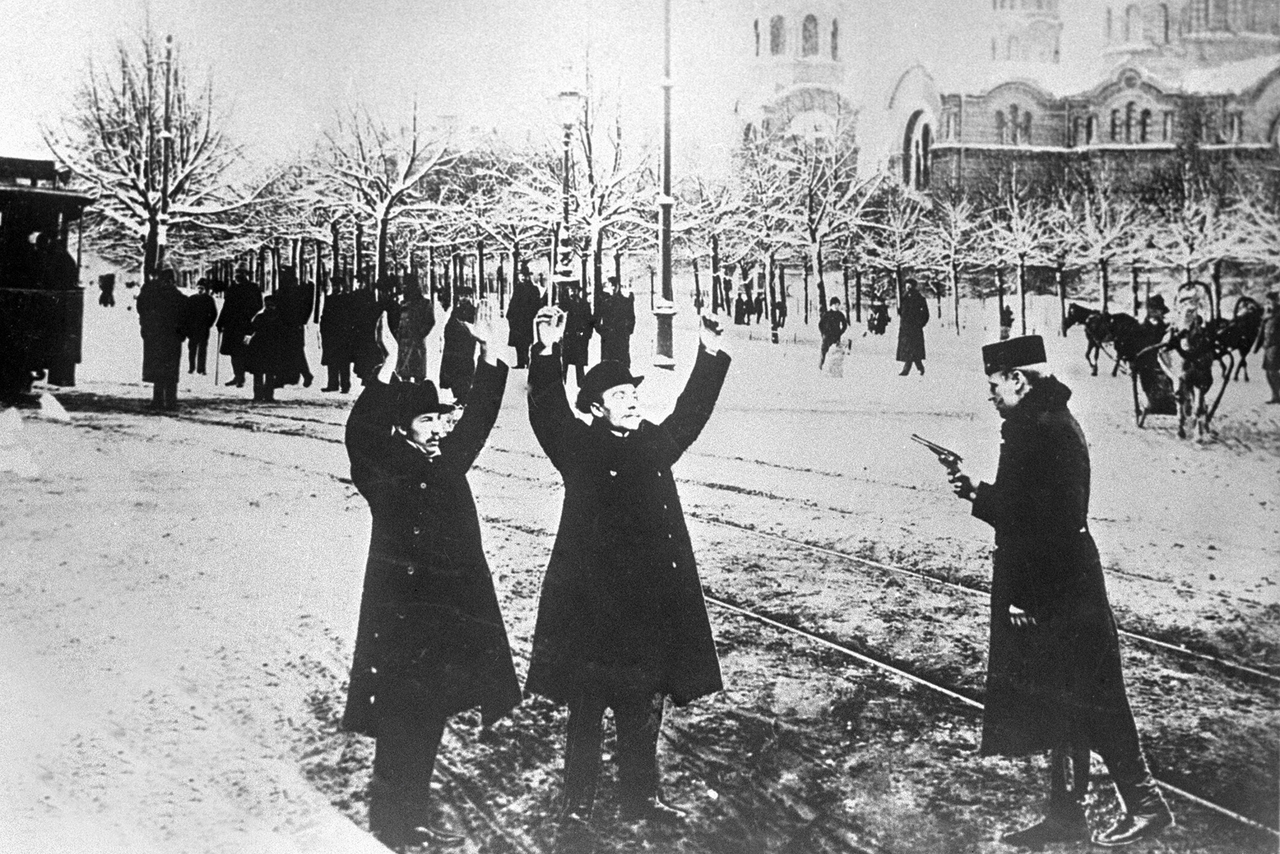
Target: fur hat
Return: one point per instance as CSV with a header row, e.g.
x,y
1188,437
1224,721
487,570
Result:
x,y
1014,353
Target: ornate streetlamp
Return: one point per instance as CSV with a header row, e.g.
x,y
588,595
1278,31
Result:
x,y
664,311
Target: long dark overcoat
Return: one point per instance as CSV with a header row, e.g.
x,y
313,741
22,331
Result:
x,y
914,314
336,330
615,322
525,302
621,611
1042,678
431,640
162,310
577,330
241,304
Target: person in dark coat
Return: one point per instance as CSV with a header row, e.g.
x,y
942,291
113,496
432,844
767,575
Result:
x,y
267,356
431,640
577,330
614,322
201,313
1156,383
161,316
363,311
525,302
1006,323
1054,680
913,312
241,305
831,326
621,621
877,315
295,303
417,319
458,354
336,333
1269,343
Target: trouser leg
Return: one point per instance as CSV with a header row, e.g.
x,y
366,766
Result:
x,y
1273,380
192,347
919,363
171,395
1069,778
202,356
157,395
582,754
237,368
822,356
1114,737
403,761
638,723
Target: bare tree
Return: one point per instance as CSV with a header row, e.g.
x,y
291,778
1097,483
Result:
x,y
951,238
893,239
377,173
150,144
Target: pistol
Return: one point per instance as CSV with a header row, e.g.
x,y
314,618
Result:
x,y
946,456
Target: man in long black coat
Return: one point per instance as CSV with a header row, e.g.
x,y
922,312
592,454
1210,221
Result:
x,y
621,621
201,312
1054,681
241,305
431,640
161,318
615,321
831,326
913,312
525,302
577,330
336,335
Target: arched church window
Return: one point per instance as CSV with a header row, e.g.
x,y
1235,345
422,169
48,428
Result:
x,y
1166,127
1108,25
777,36
757,29
1077,127
1130,115
809,36
1115,125
1026,128
1000,128
1164,22
1090,129
1014,124
1144,126
1132,23
835,40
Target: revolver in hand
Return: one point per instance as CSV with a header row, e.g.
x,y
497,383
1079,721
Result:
x,y
946,456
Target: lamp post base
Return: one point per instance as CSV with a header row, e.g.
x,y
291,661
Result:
x,y
664,351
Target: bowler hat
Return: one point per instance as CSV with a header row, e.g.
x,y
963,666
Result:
x,y
604,376
1014,353
414,399
1156,303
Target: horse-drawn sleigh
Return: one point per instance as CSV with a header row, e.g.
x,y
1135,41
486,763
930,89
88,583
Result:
x,y
1172,370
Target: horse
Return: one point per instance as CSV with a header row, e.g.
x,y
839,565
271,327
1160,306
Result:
x,y
1103,328
1240,332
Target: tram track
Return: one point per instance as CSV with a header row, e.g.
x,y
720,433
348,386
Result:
x,y
725,602
1241,669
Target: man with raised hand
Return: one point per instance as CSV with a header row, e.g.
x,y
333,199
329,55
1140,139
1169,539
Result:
x,y
622,623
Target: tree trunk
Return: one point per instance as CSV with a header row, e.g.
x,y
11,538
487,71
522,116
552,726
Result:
x,y
597,270
1000,291
697,287
955,293
806,291
857,294
336,251
1106,284
480,279
844,273
1217,289
822,281
360,251
1060,281
715,273
1022,292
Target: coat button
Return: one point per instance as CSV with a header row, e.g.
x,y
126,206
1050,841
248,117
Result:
x,y
417,530
612,473
411,570
422,486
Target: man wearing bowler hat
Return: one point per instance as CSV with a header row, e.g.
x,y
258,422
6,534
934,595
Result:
x,y
1054,681
431,640
621,620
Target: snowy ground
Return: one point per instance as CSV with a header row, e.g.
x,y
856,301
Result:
x,y
179,599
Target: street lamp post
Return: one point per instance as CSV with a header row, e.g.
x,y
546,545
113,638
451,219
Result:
x,y
664,312
569,103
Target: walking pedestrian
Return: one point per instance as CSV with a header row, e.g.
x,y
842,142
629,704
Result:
x,y
295,303
1054,680
621,621
417,319
1006,323
525,302
267,355
458,355
913,314
831,326
201,312
241,305
161,315
431,640
336,333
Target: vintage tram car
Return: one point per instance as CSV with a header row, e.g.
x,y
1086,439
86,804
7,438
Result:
x,y
41,301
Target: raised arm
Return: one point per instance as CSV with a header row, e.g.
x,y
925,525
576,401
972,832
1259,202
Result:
x,y
695,404
460,448
549,412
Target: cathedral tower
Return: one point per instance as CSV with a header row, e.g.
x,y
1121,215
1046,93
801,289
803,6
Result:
x,y
1026,31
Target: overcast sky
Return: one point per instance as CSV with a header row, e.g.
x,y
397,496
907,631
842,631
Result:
x,y
282,67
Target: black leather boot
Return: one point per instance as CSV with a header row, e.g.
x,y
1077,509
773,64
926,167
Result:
x,y
1146,814
652,808
1064,819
